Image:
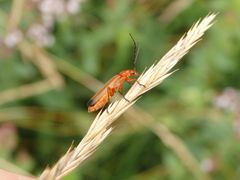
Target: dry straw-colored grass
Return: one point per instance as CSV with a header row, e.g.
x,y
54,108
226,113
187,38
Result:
x,y
102,126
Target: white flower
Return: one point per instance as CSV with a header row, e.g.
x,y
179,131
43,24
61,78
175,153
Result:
x,y
207,165
73,6
229,99
53,7
41,35
13,38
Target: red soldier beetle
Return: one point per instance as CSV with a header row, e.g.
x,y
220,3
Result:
x,y
102,97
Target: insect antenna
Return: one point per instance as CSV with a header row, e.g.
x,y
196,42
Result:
x,y
135,52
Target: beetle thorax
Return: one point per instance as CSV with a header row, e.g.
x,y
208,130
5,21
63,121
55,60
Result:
x,y
126,73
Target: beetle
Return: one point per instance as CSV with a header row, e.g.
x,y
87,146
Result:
x,y
102,97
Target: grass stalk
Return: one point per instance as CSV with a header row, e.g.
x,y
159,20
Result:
x,y
102,126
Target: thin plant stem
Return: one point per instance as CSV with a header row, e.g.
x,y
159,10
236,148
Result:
x,y
102,126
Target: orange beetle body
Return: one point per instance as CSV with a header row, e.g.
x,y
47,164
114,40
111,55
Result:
x,y
112,86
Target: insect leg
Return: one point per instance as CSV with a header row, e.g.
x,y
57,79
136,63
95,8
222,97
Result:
x,y
140,84
135,80
121,92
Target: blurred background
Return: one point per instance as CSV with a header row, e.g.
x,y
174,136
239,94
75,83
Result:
x,y
55,54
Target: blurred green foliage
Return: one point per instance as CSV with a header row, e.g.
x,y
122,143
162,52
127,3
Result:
x,y
96,41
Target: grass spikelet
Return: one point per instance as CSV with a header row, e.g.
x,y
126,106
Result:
x,y
102,125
